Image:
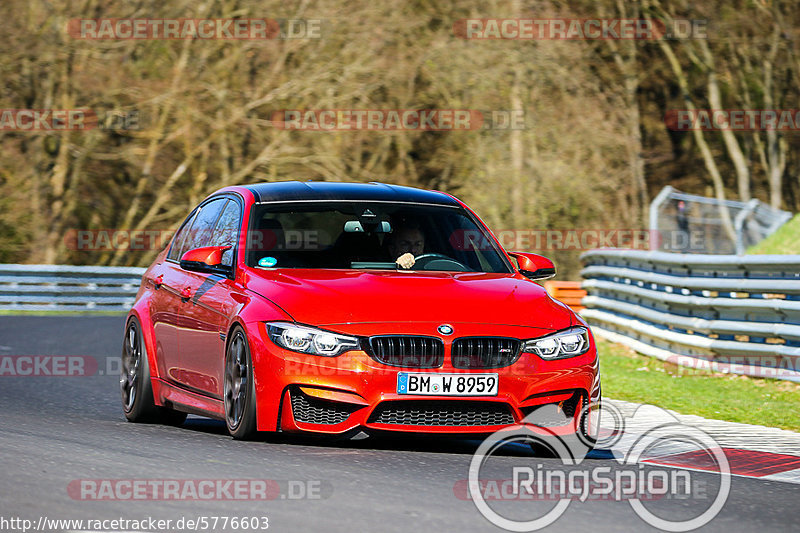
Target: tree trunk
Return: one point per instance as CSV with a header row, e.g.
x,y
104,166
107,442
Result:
x,y
731,144
699,137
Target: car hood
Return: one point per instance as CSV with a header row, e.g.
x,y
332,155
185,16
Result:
x,y
337,297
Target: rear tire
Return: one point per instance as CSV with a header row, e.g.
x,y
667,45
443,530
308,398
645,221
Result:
x,y
135,384
239,394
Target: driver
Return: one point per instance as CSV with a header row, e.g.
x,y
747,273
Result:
x,y
405,244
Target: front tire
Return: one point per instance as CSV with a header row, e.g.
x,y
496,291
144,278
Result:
x,y
239,398
135,385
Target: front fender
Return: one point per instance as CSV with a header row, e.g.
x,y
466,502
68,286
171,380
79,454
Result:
x,y
266,368
141,311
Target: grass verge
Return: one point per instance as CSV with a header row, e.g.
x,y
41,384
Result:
x,y
784,241
636,378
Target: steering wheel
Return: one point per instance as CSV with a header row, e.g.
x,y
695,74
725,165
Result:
x,y
438,262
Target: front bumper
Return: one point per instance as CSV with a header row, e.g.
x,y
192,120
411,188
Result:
x,y
307,393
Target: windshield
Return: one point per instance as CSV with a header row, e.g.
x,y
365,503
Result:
x,y
370,235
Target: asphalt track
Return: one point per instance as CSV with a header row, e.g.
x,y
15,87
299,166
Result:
x,y
56,430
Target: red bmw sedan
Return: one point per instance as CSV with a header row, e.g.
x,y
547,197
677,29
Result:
x,y
338,308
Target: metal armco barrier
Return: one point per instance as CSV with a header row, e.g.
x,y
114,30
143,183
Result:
x,y
736,314
68,288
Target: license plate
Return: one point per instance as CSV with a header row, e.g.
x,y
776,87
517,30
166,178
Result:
x,y
431,384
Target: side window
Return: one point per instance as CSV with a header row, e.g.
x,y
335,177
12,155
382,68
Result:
x,y
180,237
227,230
200,233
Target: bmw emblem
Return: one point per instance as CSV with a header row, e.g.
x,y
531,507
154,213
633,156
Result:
x,y
445,329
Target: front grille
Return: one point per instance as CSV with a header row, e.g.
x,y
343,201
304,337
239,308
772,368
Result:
x,y
484,352
441,413
315,411
409,351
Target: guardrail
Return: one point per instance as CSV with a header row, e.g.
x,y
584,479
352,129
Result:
x,y
68,288
737,314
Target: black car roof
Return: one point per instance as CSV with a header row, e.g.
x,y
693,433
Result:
x,y
326,190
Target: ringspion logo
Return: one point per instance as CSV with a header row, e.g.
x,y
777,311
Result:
x,y
654,435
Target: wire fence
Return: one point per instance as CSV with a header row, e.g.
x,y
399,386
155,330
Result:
x,y
698,224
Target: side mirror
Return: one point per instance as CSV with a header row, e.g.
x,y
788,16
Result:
x,y
206,259
534,266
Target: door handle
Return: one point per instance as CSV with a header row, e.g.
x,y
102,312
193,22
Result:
x,y
186,293
158,281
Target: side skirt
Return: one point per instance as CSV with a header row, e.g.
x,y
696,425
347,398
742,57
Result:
x,y
180,399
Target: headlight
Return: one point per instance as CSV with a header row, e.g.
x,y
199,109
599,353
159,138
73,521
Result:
x,y
568,343
309,340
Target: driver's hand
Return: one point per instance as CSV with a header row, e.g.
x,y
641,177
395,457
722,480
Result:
x,y
406,261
